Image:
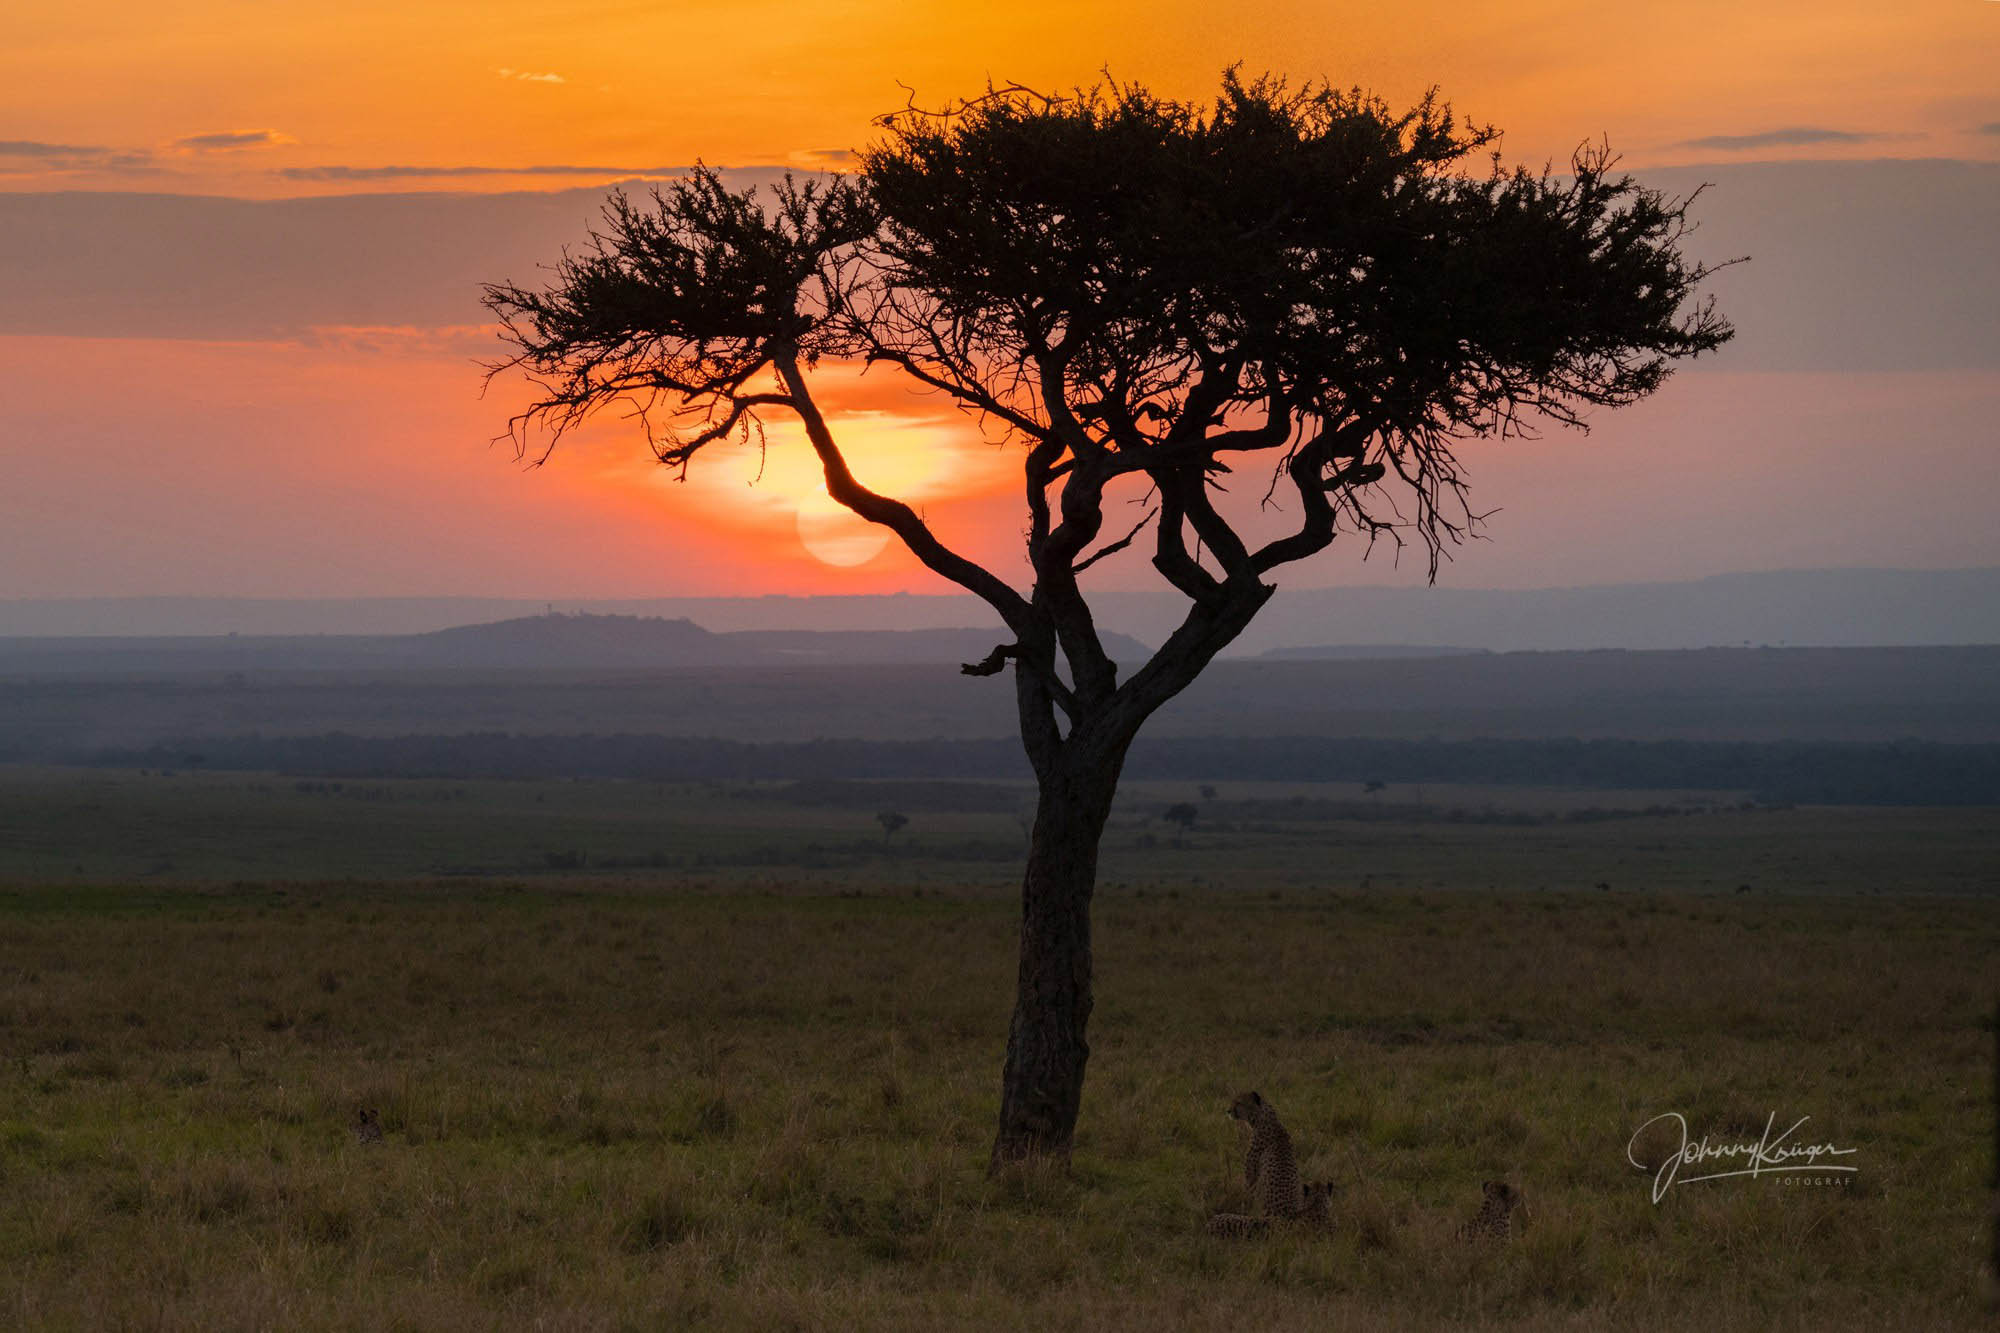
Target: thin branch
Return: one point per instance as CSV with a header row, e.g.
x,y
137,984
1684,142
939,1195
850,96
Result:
x,y
898,517
1116,546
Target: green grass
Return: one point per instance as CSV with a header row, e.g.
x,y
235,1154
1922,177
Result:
x,y
635,1102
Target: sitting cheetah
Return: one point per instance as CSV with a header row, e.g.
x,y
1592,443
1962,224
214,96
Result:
x,y
1269,1169
1316,1214
367,1126
1495,1219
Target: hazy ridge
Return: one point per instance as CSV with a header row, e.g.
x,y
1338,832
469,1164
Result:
x,y
580,642
1845,695
1825,607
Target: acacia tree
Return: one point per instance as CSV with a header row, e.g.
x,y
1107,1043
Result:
x,y
1139,293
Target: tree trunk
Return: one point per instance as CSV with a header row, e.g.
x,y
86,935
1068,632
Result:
x,y
1043,1083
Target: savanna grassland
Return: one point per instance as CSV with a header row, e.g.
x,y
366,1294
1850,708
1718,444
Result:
x,y
756,1090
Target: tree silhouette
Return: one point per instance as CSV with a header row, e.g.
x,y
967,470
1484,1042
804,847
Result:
x,y
891,821
1140,294
1183,813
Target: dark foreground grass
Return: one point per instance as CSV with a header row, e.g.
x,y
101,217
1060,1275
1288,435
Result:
x,y
617,1107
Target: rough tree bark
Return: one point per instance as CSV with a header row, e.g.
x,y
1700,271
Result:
x,y
1041,1087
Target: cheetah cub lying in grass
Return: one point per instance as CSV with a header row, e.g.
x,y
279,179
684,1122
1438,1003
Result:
x,y
1316,1215
1495,1219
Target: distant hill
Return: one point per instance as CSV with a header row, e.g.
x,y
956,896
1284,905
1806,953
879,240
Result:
x,y
1832,608
538,643
582,641
863,646
1354,652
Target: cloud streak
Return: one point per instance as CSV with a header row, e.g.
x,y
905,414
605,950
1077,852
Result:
x,y
233,139
351,173
1990,127
1792,136
31,148
30,157
386,252
527,76
824,159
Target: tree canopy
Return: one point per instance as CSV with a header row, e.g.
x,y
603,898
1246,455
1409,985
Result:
x,y
1131,285
1137,292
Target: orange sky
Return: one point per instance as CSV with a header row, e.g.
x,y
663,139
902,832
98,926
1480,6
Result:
x,y
370,83
230,452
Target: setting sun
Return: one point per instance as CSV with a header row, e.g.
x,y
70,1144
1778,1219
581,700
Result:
x,y
768,485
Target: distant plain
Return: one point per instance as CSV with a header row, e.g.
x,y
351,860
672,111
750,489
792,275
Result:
x,y
1735,694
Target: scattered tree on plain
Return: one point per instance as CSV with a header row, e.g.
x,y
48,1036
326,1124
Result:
x,y
1295,286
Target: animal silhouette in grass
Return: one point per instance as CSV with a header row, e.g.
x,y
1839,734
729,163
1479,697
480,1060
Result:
x,y
1495,1218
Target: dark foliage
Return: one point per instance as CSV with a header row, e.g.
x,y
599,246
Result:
x,y
1130,285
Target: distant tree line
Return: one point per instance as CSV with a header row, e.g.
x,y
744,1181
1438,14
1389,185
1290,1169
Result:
x,y
1798,772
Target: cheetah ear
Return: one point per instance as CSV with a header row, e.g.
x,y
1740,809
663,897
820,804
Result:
x,y
1256,1098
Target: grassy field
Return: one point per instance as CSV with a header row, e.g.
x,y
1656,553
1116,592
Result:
x,y
90,826
748,1095
619,1107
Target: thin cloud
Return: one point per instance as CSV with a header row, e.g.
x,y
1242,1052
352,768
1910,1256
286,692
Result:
x,y
207,143
526,76
30,157
347,173
31,148
402,339
827,159
1990,127
1786,138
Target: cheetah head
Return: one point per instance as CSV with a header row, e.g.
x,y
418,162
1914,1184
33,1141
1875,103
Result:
x,y
1500,1192
1246,1106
